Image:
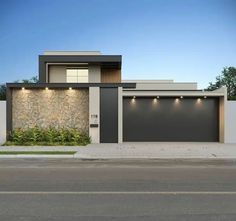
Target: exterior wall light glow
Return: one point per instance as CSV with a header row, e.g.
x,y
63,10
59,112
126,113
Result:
x,y
133,100
181,97
205,97
177,101
155,101
46,88
22,88
199,100
70,88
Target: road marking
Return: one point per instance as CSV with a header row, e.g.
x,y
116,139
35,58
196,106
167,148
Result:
x,y
117,193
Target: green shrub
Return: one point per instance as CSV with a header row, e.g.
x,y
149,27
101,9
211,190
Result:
x,y
49,136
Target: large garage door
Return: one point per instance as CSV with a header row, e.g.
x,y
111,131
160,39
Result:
x,y
171,119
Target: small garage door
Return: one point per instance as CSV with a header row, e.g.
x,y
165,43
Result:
x,y
171,119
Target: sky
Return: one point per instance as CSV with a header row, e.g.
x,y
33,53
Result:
x,y
184,40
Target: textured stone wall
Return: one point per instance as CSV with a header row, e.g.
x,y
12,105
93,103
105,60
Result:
x,y
44,108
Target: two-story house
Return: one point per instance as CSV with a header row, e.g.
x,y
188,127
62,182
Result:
x,y
85,90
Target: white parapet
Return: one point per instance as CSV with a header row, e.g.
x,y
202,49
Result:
x,y
162,85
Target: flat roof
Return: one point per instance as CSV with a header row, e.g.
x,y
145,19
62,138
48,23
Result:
x,y
72,53
113,61
149,81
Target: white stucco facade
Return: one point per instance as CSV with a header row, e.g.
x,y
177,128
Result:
x,y
230,121
2,122
94,74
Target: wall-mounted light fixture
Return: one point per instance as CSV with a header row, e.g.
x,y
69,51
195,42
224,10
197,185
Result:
x,y
205,97
158,97
181,97
70,88
46,88
22,88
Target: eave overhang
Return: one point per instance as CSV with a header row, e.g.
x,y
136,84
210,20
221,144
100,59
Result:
x,y
68,85
174,93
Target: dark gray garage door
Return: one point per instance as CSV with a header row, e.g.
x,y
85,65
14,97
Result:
x,y
170,119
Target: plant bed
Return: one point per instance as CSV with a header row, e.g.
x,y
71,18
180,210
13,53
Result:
x,y
37,152
47,137
10,143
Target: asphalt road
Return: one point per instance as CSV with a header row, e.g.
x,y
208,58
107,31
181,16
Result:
x,y
117,190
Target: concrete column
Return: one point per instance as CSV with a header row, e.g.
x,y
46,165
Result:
x,y
94,114
94,72
222,118
120,115
221,121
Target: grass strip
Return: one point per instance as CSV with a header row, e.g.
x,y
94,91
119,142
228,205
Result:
x,y
37,152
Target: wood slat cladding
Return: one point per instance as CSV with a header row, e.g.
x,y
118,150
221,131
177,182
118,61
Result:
x,y
110,75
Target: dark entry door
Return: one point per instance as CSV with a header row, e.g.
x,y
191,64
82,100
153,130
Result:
x,y
170,119
109,115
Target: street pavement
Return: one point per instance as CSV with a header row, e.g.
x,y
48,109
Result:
x,y
72,189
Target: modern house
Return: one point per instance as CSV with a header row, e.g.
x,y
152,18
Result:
x,y
85,90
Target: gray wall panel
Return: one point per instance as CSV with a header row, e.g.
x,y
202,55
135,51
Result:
x,y
166,119
109,115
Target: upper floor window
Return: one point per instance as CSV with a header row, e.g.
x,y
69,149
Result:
x,y
77,75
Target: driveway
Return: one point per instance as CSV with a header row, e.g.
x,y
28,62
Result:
x,y
158,150
155,150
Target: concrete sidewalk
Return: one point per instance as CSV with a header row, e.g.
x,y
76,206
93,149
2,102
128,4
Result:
x,y
155,150
158,150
